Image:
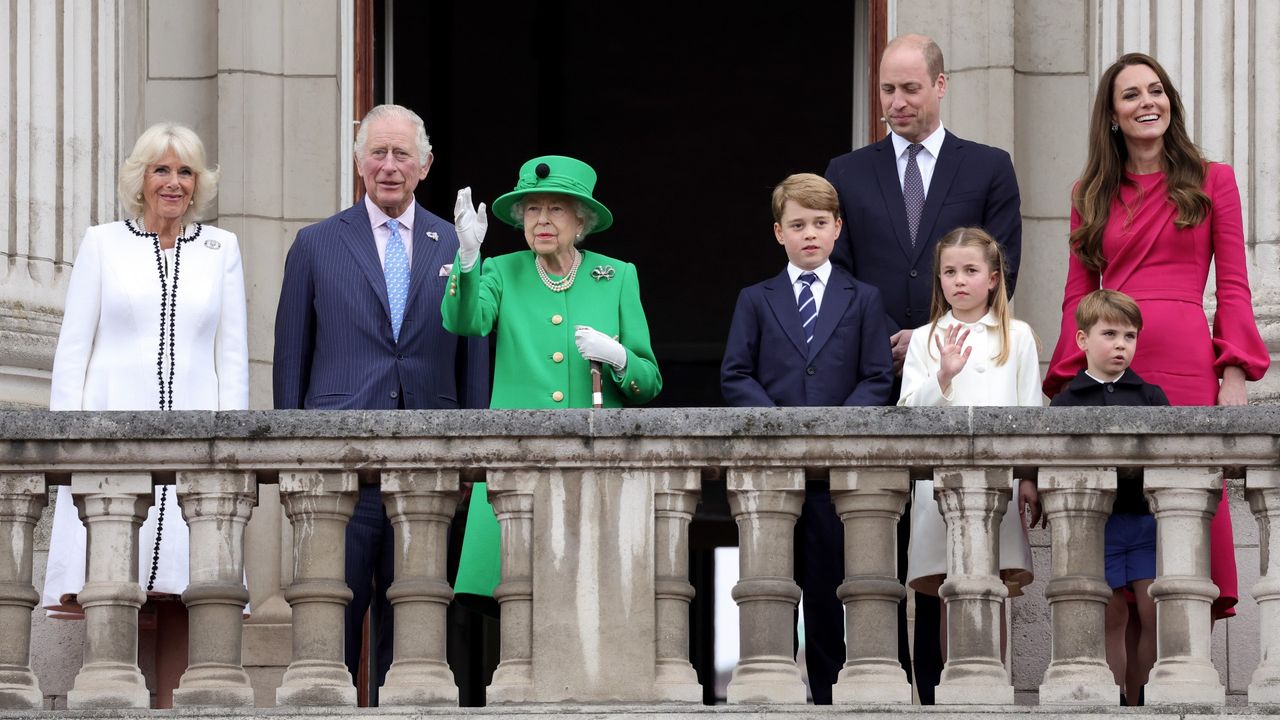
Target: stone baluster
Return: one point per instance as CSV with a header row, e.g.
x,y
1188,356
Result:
x,y
870,503
973,501
112,508
766,503
420,504
216,505
1183,500
675,500
511,494
319,504
1263,490
1077,502
22,497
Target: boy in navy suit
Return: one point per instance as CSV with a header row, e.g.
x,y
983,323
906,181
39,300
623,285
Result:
x,y
811,335
1107,325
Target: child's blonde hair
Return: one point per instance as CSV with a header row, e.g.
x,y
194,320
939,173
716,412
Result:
x,y
809,191
1109,305
997,299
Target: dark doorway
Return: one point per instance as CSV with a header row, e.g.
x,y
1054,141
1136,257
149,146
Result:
x,y
690,112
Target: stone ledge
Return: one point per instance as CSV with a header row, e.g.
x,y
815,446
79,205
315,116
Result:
x,y
672,712
698,437
657,422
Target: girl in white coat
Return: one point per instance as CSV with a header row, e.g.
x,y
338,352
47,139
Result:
x,y
154,320
972,352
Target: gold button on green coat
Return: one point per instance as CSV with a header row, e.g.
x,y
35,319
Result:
x,y
506,292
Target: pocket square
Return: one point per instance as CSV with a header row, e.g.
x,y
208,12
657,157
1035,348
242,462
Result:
x,y
446,269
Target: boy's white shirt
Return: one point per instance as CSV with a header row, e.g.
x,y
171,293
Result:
x,y
818,289
981,382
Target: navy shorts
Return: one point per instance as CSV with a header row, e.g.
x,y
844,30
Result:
x,y
1131,549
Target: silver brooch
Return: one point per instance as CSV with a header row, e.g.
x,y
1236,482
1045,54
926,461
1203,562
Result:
x,y
602,272
212,244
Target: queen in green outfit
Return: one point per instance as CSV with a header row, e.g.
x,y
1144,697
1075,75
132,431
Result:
x,y
556,308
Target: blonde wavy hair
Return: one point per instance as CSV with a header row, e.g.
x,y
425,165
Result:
x,y
154,142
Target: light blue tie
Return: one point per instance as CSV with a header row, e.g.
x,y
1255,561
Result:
x,y
396,271
807,305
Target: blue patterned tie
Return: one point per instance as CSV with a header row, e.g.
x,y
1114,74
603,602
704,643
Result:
x,y
807,306
396,271
913,191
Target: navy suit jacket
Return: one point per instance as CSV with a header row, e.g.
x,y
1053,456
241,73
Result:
x,y
334,348
972,185
767,363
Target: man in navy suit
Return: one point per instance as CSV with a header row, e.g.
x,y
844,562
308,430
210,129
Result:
x,y
900,195
359,327
811,335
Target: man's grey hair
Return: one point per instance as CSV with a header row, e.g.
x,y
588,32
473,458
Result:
x,y
383,112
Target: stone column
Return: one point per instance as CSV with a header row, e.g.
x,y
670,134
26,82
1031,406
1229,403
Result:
x,y
1077,502
22,497
319,503
675,500
511,494
1183,501
766,503
973,501
112,508
870,502
1263,491
216,505
59,94
420,504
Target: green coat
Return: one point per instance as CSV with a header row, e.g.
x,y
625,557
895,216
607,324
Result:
x,y
536,355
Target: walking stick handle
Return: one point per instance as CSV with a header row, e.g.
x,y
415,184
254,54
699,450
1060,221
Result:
x,y
597,391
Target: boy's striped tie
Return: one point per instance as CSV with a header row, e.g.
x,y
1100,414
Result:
x,y
807,305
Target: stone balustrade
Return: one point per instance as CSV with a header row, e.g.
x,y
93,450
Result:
x,y
595,508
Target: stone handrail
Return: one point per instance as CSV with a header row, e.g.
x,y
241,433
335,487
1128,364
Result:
x,y
595,508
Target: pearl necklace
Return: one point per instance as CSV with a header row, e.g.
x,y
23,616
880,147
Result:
x,y
567,281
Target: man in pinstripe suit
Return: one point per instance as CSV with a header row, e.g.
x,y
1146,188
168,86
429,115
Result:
x,y
358,327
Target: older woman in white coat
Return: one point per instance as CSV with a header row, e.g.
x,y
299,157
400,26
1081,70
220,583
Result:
x,y
154,320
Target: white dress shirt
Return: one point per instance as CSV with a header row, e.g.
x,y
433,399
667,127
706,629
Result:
x,y
382,233
925,159
823,272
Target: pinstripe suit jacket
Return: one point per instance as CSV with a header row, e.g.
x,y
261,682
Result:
x,y
334,348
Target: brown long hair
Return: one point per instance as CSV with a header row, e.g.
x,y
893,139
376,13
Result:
x,y
1099,184
997,299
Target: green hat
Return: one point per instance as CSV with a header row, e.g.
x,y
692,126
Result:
x,y
554,174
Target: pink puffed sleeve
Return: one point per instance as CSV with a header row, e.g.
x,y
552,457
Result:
x,y
1236,340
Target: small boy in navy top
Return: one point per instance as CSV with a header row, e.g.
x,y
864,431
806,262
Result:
x,y
811,335
1107,325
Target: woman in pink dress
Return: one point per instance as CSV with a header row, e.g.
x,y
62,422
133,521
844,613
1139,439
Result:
x,y
1149,216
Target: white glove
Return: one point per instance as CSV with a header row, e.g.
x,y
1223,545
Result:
x,y
471,223
595,345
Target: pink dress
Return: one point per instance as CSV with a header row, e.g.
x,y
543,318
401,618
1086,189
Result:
x,y
1165,269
